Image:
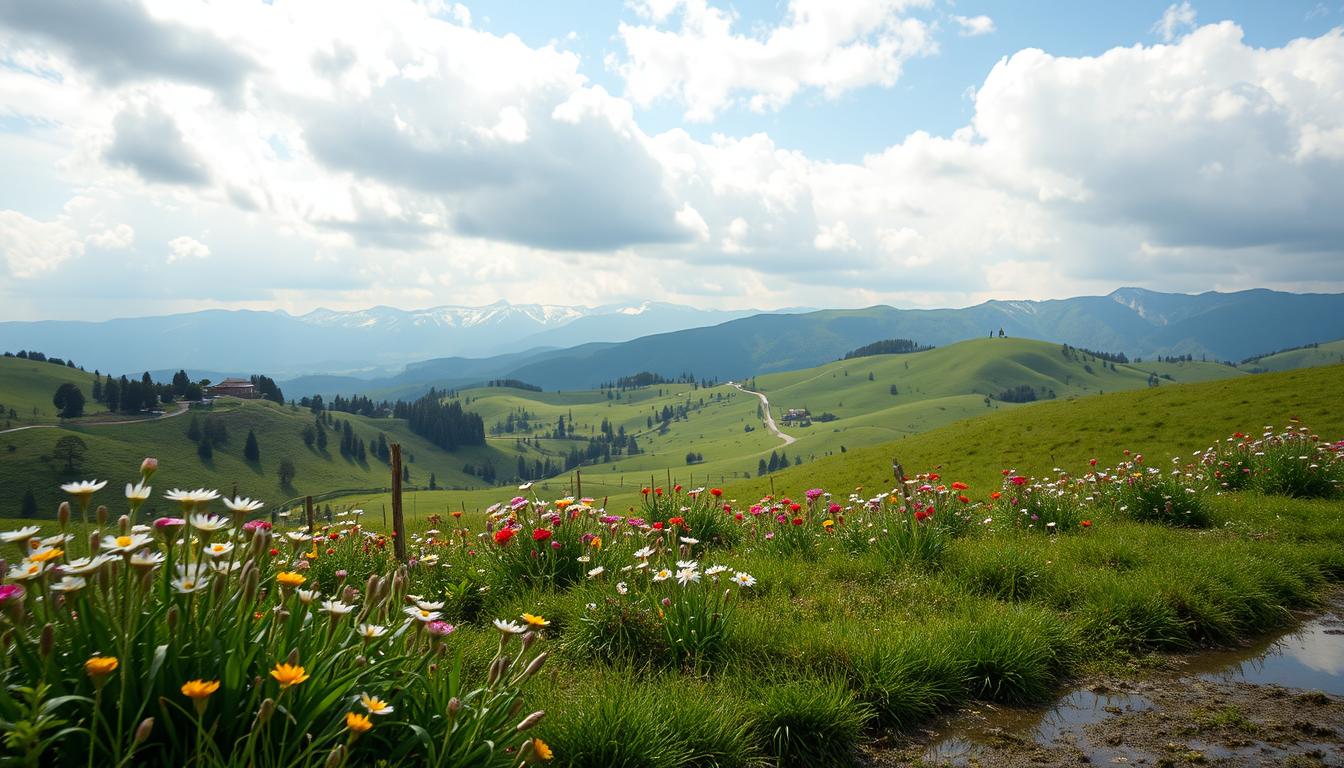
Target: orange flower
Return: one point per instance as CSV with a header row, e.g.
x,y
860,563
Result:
x,y
290,579
100,666
289,675
357,723
199,689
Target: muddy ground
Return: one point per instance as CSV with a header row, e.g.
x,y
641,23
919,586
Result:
x,y
1184,713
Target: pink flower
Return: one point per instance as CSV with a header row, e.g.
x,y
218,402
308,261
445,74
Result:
x,y
814,494
10,592
169,522
252,525
440,628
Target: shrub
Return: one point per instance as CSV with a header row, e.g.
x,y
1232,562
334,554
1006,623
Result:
x,y
1292,463
811,723
1150,496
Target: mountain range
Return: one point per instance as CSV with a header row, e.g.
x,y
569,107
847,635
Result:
x,y
363,343
1137,322
390,352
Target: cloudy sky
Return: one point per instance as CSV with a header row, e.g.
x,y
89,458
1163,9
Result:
x,y
171,155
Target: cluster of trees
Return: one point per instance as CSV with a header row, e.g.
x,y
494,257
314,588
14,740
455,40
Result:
x,y
1022,393
513,384
1080,354
777,462
694,458
446,425
486,471
185,388
518,420
267,388
357,404
886,347
24,354
132,395
212,433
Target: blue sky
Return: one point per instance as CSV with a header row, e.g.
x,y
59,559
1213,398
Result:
x,y
164,155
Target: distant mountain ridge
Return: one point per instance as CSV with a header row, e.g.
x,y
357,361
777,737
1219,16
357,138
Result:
x,y
364,343
1137,322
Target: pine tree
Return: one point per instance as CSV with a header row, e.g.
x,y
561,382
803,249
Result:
x,y
250,450
205,450
29,506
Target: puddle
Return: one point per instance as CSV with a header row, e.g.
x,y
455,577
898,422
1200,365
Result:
x,y
1309,657
962,744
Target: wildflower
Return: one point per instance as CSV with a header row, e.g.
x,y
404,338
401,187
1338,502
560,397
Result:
x,y
621,588
137,494
643,553
240,504
10,592
689,540
1086,523
22,534
69,584
688,576
595,572
357,723
439,629
744,579
83,489
85,565
208,523
509,627
375,705
289,579
535,621
98,667
662,575
219,549
126,544
199,690
503,535
168,523
187,584
337,607
257,525
370,631
541,534
542,750
687,564
189,500
715,570
289,674
420,614
43,555
26,571
426,605
716,492
148,467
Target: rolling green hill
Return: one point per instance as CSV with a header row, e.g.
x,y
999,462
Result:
x,y
1330,353
115,450
26,387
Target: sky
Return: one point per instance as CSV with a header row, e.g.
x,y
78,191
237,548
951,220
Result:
x,y
164,156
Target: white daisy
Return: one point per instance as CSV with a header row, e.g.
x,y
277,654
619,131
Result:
x,y
621,589
126,544
84,488
242,504
715,570
643,552
85,565
208,523
69,584
219,549
687,564
662,575
421,615
137,493
188,584
744,579
426,605
370,631
595,572
26,571
336,607
509,627
22,534
307,596
687,576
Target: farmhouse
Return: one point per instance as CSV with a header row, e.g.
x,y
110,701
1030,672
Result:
x,y
795,414
233,388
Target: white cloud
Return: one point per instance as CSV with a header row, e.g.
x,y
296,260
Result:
x,y
113,238
973,26
182,248
1174,19
30,247
709,66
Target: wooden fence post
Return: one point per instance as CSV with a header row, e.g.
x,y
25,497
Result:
x,y
899,472
578,481
398,519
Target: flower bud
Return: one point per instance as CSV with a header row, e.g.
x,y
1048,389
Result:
x,y
102,515
530,720
142,732
496,669
454,706
63,514
265,711
361,662
47,640
534,667
172,618
337,756
528,639
293,657
148,467
123,524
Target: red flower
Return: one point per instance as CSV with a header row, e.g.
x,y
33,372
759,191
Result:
x,y
933,477
658,491
677,487
963,499
797,521
503,535
541,534
1005,472
1018,480
995,495
795,507
715,492
644,491
1093,462
738,516
922,515
1086,523
274,552
658,526
676,521
959,486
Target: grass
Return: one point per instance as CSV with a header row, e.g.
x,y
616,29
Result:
x,y
26,387
1329,353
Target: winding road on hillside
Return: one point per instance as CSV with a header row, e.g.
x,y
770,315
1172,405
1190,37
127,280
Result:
x,y
168,415
769,420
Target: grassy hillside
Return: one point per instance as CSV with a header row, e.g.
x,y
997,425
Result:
x,y
1330,353
115,451
26,387
1161,422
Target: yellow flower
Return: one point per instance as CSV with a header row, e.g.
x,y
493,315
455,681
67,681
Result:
x,y
199,689
535,621
827,523
357,723
98,666
289,674
289,579
596,542
44,555
375,705
542,750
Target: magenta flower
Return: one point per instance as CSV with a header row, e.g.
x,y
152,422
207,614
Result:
x,y
440,628
169,522
10,592
252,525
814,494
